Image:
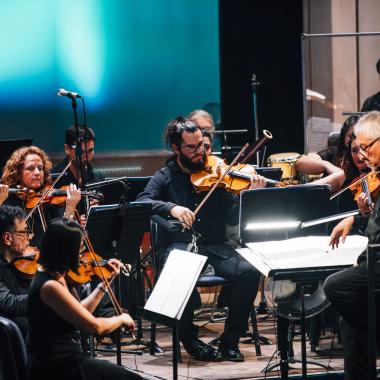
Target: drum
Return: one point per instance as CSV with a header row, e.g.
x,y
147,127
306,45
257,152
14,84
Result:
x,y
286,162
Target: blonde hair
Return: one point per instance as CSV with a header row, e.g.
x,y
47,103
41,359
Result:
x,y
196,114
12,172
369,124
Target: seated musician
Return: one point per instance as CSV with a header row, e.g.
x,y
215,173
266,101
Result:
x,y
329,161
347,290
29,168
55,313
88,152
15,238
173,196
203,119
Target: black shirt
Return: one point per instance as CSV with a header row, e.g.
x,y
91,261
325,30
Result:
x,y
371,225
13,291
49,333
170,187
372,103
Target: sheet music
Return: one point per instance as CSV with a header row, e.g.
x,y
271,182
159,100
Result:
x,y
176,283
303,252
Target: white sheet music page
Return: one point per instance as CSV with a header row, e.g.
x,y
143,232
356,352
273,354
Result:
x,y
303,252
176,283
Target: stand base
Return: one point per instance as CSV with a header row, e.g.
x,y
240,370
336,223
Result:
x,y
294,360
145,343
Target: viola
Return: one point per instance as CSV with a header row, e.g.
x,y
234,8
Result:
x,y
236,180
91,264
56,196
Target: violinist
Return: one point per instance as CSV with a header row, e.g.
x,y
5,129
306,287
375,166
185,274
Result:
x,y
29,167
87,138
15,237
173,196
55,313
347,289
329,161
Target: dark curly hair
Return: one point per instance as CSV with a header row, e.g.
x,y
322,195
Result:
x,y
175,129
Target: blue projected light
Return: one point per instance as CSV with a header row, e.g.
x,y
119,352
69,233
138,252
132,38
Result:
x,y
81,45
50,44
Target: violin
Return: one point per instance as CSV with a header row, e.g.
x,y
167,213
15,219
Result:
x,y
237,179
91,264
55,196
27,265
368,183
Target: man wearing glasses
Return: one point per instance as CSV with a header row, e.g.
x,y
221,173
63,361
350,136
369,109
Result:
x,y
173,196
347,290
15,238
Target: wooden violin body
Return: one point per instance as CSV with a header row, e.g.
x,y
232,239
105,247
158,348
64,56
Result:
x,y
55,196
236,180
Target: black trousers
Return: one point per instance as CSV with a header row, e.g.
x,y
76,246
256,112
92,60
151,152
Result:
x,y
243,281
347,291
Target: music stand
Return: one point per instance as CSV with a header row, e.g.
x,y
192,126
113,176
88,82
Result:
x,y
122,189
7,147
260,208
259,211
116,231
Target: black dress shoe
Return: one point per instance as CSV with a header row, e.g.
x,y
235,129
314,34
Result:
x,y
202,351
230,352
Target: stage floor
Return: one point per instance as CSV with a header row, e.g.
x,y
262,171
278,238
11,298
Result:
x,y
160,366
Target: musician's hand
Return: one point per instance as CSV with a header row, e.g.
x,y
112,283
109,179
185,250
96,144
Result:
x,y
4,190
363,204
184,215
115,264
127,321
94,202
257,182
340,231
83,220
72,199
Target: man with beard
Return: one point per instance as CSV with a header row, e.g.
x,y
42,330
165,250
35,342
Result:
x,y
88,175
173,196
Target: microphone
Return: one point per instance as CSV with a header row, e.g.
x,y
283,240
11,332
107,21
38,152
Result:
x,y
69,94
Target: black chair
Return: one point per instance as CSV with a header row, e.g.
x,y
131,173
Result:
x,y
13,356
203,281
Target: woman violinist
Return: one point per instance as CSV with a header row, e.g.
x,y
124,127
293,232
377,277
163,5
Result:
x,y
29,168
55,313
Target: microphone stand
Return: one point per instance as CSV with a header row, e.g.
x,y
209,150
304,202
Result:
x,y
78,145
255,84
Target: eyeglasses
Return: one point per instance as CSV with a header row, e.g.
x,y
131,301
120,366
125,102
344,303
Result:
x,y
194,148
24,232
207,146
366,148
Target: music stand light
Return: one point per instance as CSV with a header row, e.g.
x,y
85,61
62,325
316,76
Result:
x,y
277,214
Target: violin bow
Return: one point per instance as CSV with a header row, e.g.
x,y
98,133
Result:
x,y
204,200
45,194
